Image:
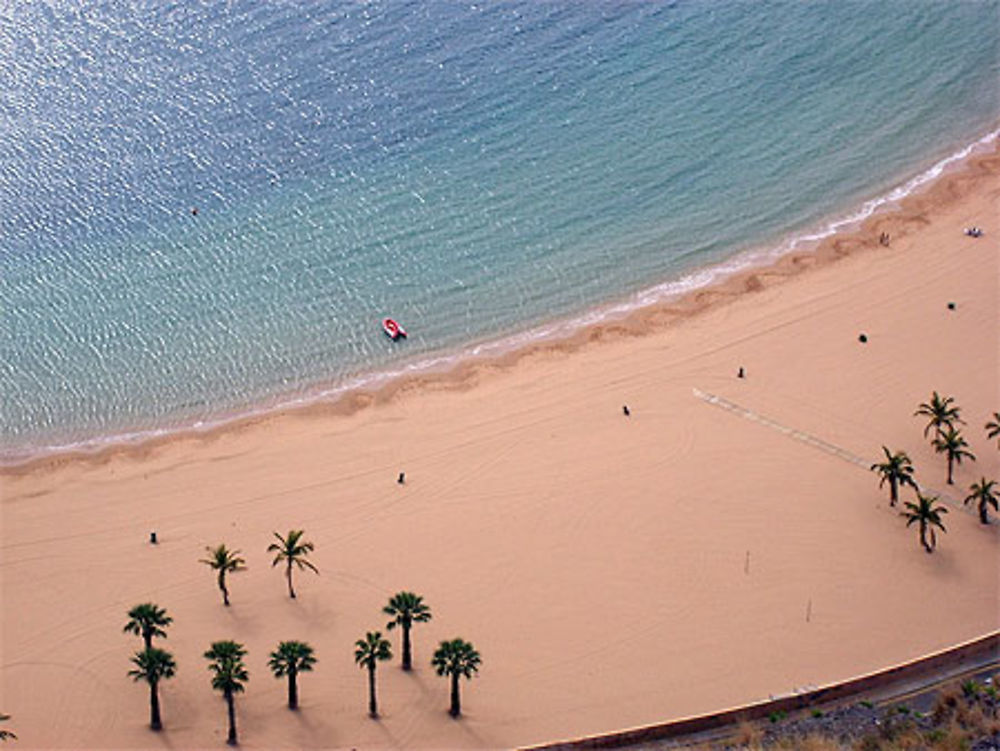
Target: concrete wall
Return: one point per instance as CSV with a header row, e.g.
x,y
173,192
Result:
x,y
952,661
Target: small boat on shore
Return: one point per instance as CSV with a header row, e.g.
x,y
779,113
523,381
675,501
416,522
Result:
x,y
393,330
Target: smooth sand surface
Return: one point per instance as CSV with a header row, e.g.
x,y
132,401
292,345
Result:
x,y
597,561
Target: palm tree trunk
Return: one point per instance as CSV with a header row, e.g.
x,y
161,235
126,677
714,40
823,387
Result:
x,y
288,573
407,657
456,703
982,513
950,460
222,586
372,703
231,740
154,707
893,491
923,535
293,690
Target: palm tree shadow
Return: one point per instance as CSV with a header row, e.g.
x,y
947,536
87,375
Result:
x,y
164,737
313,611
313,730
463,723
428,687
419,678
391,739
246,623
303,718
944,563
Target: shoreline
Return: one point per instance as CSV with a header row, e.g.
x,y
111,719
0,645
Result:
x,y
643,312
732,549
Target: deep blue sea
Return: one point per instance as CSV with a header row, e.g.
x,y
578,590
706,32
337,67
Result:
x,y
485,172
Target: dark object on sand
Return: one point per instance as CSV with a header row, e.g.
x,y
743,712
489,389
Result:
x,y
884,239
402,478
973,232
625,410
863,338
152,537
951,306
740,372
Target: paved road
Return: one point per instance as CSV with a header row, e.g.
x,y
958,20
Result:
x,y
919,696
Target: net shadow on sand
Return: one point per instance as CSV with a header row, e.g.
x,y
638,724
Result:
x,y
817,442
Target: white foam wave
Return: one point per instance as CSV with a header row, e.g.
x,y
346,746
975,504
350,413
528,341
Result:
x,y
553,330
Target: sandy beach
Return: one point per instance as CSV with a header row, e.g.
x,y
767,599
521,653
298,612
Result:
x,y
612,570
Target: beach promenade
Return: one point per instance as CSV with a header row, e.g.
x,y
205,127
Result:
x,y
613,570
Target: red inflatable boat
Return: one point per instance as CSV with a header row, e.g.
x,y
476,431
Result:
x,y
393,330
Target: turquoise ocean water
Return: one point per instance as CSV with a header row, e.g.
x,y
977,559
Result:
x,y
487,173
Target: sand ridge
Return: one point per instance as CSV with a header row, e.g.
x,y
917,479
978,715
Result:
x,y
612,570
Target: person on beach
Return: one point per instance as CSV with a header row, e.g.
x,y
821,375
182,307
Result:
x,y
625,410
740,372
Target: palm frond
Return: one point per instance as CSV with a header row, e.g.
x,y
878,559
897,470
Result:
x,y
406,608
952,442
993,427
942,413
372,649
4,733
983,494
147,618
222,559
292,656
229,673
290,548
152,665
456,657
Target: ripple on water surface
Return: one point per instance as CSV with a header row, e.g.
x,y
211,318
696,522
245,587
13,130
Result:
x,y
482,173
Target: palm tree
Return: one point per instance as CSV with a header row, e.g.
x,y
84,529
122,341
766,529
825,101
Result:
x,y
292,658
993,427
228,676
984,494
291,551
406,609
6,734
368,652
942,413
897,470
153,665
456,658
148,620
929,516
224,561
953,444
